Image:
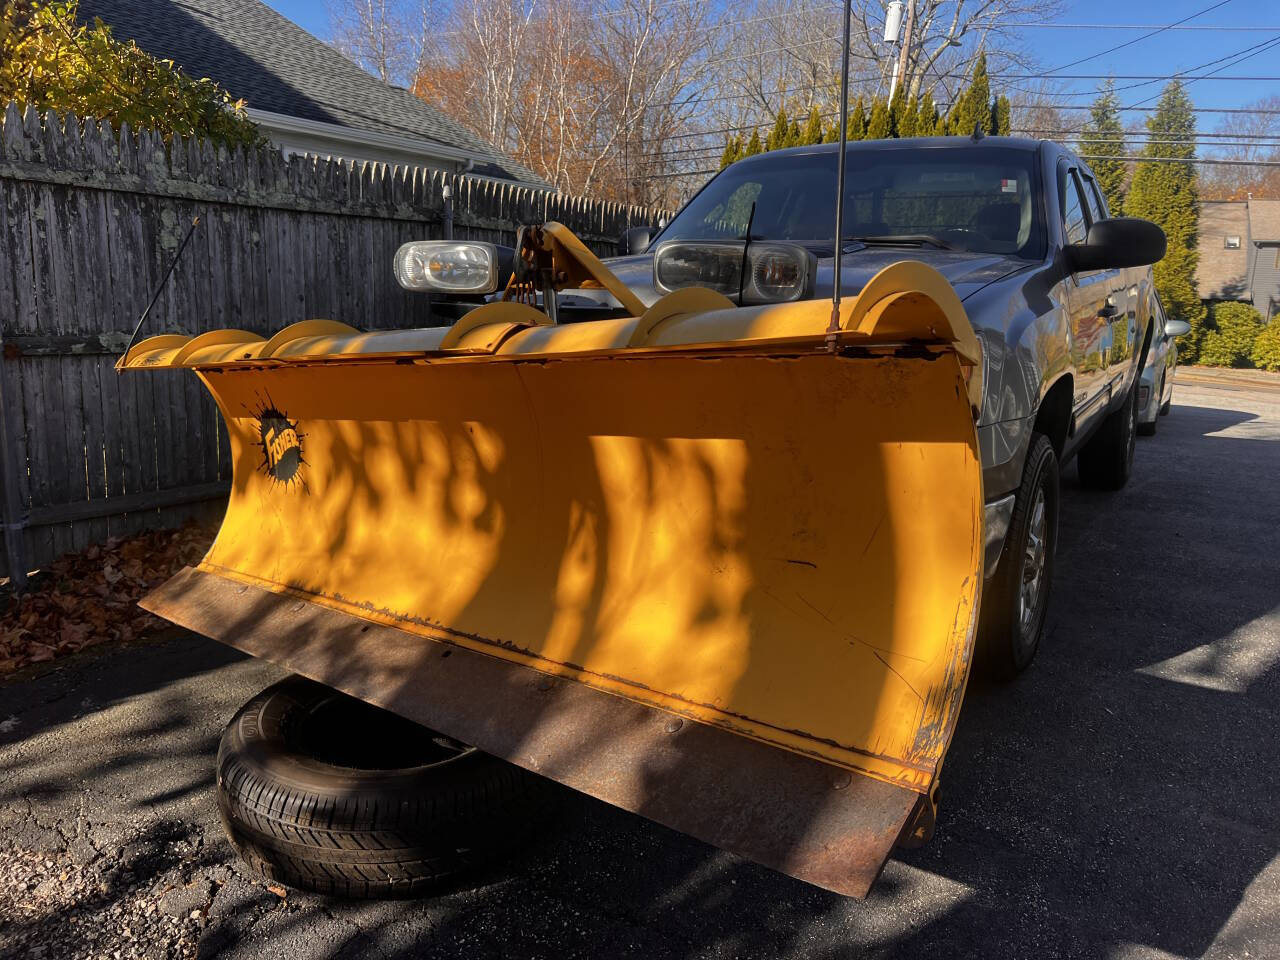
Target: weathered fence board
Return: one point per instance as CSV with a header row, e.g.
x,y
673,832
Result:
x,y
90,219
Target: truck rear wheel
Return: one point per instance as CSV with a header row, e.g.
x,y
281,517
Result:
x,y
321,791
1106,460
1016,599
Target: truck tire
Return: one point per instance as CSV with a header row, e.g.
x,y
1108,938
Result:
x,y
1149,429
1016,599
1106,460
321,791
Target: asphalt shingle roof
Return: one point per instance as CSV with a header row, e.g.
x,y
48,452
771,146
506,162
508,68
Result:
x,y
1222,274
273,64
1264,220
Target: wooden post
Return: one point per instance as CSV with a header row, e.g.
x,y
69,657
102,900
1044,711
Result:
x,y
11,506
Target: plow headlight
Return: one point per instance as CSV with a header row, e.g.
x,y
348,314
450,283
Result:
x,y
775,272
447,266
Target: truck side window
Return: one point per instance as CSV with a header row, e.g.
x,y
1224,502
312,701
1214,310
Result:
x,y
1099,201
1091,197
1074,226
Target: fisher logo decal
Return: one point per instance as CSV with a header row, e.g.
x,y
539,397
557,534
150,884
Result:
x,y
281,442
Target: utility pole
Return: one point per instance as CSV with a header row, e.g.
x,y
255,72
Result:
x,y
904,58
892,28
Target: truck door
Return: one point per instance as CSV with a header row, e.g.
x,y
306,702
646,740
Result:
x,y
1090,305
1123,296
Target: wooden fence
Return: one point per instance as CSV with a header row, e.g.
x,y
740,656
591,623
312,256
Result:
x,y
90,218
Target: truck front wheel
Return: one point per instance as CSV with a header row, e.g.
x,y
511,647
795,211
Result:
x,y
1016,598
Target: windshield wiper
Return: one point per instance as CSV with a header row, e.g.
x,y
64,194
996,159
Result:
x,y
902,240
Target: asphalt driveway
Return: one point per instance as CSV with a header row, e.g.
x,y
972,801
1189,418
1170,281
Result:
x,y
1117,801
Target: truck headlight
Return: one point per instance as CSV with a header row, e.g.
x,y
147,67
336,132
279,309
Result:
x,y
447,266
774,272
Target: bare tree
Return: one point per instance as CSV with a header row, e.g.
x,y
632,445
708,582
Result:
x,y
386,37
587,98
1248,137
786,55
655,55
619,101
1034,112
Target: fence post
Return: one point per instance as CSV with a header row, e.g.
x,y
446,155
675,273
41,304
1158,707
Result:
x,y
11,506
446,226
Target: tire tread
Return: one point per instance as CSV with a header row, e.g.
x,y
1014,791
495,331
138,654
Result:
x,y
365,839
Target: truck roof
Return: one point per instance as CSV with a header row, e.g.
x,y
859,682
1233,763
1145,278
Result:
x,y
911,143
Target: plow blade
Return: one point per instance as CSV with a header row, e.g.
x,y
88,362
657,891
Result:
x,y
704,568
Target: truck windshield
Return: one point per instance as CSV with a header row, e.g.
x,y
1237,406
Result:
x,y
970,198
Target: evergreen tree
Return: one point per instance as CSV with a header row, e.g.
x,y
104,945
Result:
x,y
879,126
980,97
777,138
926,116
857,121
794,134
941,123
973,106
812,132
732,151
753,145
1103,140
909,122
1166,193
897,110
1003,119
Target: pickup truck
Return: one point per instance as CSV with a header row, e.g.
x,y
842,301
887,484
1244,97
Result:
x,y
1060,294
715,556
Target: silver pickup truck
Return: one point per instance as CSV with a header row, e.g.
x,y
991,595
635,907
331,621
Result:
x,y
1060,294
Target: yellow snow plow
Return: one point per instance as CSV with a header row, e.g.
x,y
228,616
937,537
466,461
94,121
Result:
x,y
716,564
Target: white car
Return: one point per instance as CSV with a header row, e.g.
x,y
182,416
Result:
x,y
1155,389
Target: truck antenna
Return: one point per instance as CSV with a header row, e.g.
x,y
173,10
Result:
x,y
833,328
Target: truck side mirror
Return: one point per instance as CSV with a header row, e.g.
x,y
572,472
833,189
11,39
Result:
x,y
1176,328
636,240
1117,242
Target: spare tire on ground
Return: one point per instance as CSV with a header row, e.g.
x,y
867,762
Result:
x,y
324,792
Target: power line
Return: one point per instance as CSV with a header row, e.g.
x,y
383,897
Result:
x,y
1195,160
1270,45
1129,43
1150,77
782,49
1209,162
1207,27
721,131
1252,137
713,151
1238,56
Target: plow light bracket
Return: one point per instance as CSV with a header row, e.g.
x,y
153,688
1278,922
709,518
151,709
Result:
x,y
761,272
447,266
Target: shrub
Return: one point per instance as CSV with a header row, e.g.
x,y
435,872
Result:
x,y
51,62
1266,348
1230,339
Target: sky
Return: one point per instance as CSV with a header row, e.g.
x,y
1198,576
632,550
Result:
x,y
1253,23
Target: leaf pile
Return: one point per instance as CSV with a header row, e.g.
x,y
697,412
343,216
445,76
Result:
x,y
91,597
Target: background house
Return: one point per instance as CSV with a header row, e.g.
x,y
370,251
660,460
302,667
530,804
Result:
x,y
306,97
1239,249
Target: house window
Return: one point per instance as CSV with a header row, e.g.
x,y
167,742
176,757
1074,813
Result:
x,y
1230,243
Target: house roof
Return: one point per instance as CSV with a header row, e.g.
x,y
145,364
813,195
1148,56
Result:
x,y
1222,274
1264,221
274,65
